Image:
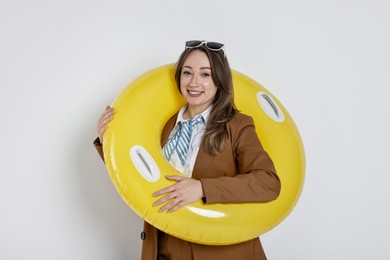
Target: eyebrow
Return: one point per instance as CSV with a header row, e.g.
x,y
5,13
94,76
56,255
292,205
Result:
x,y
202,68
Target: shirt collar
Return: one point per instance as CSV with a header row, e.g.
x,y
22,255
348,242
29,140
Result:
x,y
205,114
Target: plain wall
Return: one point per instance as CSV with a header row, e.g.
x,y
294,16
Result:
x,y
62,62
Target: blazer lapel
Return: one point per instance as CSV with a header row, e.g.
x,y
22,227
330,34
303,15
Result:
x,y
202,160
167,129
202,163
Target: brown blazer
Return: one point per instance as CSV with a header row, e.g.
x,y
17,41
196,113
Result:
x,y
241,172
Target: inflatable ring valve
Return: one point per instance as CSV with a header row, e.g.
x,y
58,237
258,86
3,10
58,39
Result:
x,y
137,166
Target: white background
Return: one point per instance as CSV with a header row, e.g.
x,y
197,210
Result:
x,y
61,62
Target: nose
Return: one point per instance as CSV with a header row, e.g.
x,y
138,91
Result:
x,y
194,80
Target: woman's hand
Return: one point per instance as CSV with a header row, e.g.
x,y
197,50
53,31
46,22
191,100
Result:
x,y
183,192
104,119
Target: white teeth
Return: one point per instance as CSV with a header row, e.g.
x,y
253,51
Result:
x,y
195,92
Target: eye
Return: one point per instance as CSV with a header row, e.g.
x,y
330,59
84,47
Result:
x,y
206,74
186,73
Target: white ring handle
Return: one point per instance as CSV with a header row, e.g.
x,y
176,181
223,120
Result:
x,y
270,107
144,163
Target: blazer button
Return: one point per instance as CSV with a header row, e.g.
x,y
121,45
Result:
x,y
143,235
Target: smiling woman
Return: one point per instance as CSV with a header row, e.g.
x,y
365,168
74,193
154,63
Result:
x,y
206,189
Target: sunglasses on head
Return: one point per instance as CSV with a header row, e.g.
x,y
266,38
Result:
x,y
212,46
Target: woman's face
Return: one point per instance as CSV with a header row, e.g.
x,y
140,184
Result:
x,y
196,83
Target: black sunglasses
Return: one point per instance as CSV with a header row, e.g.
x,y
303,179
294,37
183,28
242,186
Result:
x,y
212,46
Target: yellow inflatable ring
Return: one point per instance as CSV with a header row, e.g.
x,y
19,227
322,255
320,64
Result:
x,y
136,164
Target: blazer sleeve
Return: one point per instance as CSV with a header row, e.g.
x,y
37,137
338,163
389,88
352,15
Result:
x,y
255,178
99,147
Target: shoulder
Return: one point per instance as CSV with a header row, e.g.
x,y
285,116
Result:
x,y
240,120
238,124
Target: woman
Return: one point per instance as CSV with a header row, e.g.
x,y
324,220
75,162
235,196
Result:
x,y
224,161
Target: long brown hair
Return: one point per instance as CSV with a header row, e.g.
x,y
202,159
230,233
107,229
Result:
x,y
223,103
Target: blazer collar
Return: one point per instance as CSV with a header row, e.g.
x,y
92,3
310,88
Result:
x,y
202,160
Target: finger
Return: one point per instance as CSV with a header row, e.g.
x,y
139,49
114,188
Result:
x,y
101,129
108,110
174,178
178,206
104,119
102,123
168,189
101,132
172,204
165,199
106,114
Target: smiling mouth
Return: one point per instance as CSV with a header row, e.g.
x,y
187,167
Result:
x,y
195,93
